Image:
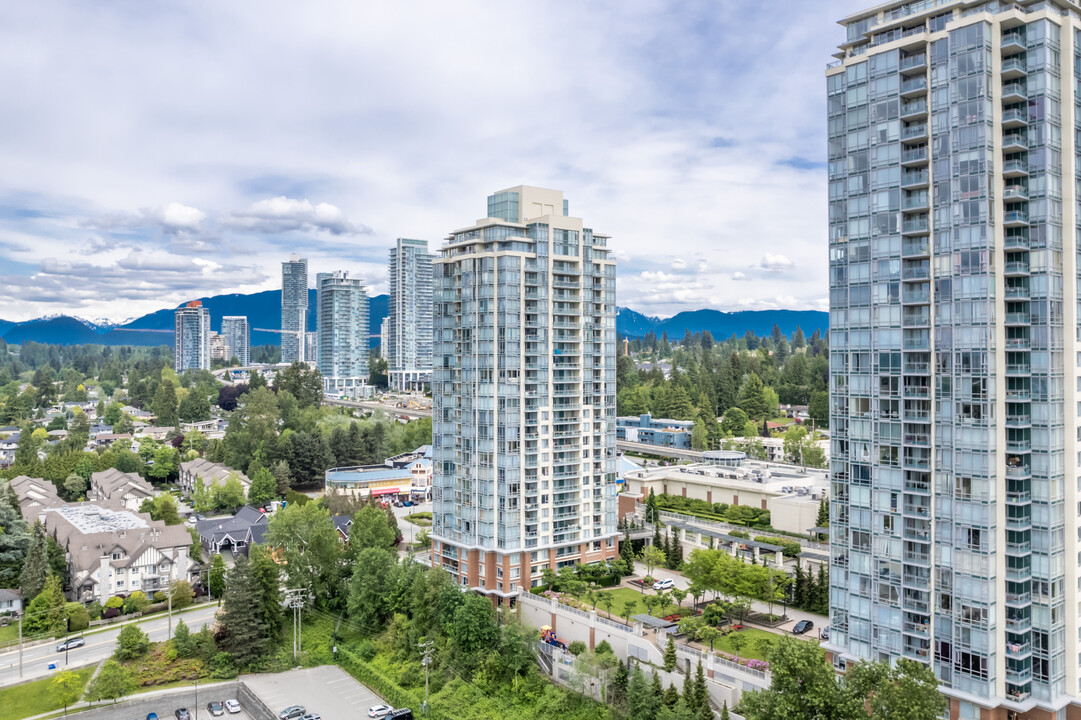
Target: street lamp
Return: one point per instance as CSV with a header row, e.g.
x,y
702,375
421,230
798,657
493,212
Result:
x,y
196,700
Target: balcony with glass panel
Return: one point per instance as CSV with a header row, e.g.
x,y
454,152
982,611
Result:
x,y
1018,518
915,179
1013,91
1014,141
911,64
1015,117
916,201
914,131
1015,216
1013,67
1013,41
914,87
1014,167
1019,545
914,109
1016,191
1017,290
914,156
915,247
1016,267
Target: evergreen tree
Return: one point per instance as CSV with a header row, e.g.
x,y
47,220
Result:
x,y
182,640
263,488
724,711
670,655
243,630
113,682
752,397
822,594
164,405
47,611
701,690
823,519
675,551
626,553
36,568
657,687
216,577
267,576
671,695
799,589
619,686
282,476
642,703
14,539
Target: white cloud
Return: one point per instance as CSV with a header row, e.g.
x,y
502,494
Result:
x,y
177,217
738,276
283,214
678,264
775,262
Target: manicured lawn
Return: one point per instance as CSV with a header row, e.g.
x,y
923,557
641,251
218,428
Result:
x,y
424,519
34,698
750,650
622,595
9,633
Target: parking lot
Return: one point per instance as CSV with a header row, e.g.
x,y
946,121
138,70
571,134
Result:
x,y
327,690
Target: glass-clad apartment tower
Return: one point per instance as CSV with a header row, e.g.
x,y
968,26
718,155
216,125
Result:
x,y
191,337
237,337
953,176
342,335
524,395
294,309
409,332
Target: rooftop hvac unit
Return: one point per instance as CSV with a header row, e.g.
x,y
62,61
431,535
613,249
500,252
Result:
x,y
786,489
801,491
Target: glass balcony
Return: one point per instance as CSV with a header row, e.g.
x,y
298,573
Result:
x,y
1014,141
1013,41
913,108
1017,292
914,156
914,62
1015,218
1016,267
1018,420
1018,624
1016,191
1018,343
1019,550
915,179
914,131
1014,118
915,247
913,86
1014,67
1018,472
1018,599
916,226
1014,168
916,201
1012,92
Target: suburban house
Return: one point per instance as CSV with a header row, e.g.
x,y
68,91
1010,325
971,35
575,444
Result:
x,y
136,414
10,602
127,490
236,533
154,432
342,523
207,473
213,429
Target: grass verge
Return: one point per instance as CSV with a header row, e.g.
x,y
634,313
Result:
x,y
34,698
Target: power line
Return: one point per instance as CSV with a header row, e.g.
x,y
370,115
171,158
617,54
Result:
x,y
426,648
296,599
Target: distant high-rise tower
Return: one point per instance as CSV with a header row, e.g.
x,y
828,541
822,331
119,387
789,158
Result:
x,y
311,346
954,355
192,337
342,306
294,308
524,427
237,338
384,337
218,349
409,348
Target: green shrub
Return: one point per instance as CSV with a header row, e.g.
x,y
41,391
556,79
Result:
x,y
78,617
94,610
115,602
789,548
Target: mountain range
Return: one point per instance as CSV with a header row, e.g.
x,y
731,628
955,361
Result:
x,y
263,310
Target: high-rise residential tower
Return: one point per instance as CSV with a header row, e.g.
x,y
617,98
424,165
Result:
x,y
384,337
294,308
191,337
524,426
237,338
409,347
342,306
954,225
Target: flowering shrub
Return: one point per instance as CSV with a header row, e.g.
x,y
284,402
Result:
x,y
760,665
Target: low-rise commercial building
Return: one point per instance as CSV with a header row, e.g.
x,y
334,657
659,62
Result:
x,y
655,431
791,495
403,477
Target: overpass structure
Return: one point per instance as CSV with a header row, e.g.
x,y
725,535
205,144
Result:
x,y
658,451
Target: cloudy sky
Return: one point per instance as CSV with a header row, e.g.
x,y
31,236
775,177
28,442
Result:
x,y
158,152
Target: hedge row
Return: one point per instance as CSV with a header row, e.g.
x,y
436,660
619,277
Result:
x,y
390,691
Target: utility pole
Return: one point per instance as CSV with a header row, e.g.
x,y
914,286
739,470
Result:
x,y
295,599
20,646
426,648
169,595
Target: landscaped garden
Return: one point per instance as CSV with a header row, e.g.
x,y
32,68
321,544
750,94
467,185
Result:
x,y
424,519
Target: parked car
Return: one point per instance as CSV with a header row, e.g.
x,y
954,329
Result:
x,y
311,716
293,712
192,519
215,708
152,716
408,503
824,633
378,711
182,714
71,644
400,714
802,626
232,707
664,584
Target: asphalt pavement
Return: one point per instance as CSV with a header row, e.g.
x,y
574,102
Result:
x,y
327,690
99,646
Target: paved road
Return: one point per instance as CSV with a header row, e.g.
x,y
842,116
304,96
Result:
x,y
98,646
327,690
409,530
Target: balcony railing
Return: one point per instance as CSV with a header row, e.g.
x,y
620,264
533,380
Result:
x,y
918,177
1015,166
914,155
1011,90
914,85
915,107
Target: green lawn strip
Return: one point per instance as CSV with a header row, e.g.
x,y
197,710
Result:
x,y
424,519
34,698
750,650
622,595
